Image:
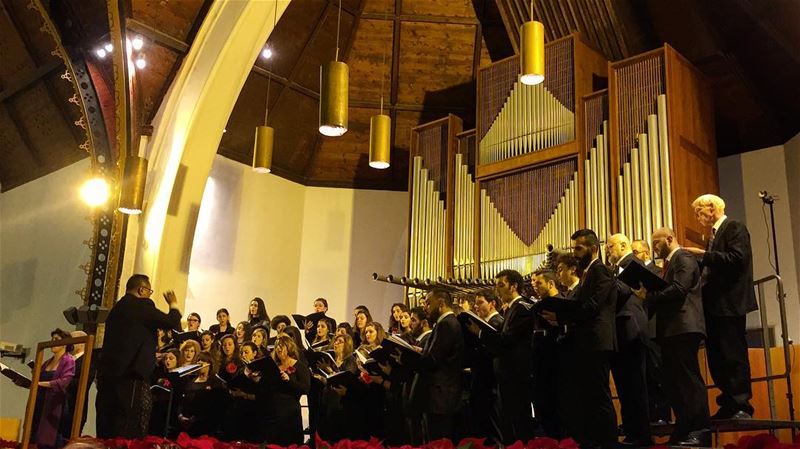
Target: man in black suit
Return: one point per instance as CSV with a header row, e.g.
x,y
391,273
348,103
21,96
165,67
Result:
x,y
128,358
512,350
484,412
628,364
728,296
440,365
567,271
641,249
681,327
420,328
545,359
659,408
590,316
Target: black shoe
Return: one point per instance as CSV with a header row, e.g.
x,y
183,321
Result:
x,y
632,442
723,413
699,438
741,414
659,422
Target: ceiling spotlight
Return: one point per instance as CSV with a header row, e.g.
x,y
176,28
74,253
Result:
x,y
267,53
101,53
224,130
140,62
137,42
95,192
109,48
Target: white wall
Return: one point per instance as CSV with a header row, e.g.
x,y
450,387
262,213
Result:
x,y
261,235
42,228
741,178
348,235
247,243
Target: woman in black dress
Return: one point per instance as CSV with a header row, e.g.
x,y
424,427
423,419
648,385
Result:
x,y
362,318
229,363
257,314
244,413
336,407
204,400
259,337
284,423
224,325
242,333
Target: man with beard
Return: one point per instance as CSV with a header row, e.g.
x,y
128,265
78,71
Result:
x,y
567,271
511,347
628,364
679,309
590,316
439,368
420,328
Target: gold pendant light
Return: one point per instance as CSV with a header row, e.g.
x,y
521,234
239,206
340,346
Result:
x,y
531,51
132,196
262,151
333,92
265,135
380,127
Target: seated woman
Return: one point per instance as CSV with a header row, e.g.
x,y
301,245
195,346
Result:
x,y
283,422
259,337
190,349
335,407
204,400
257,314
223,326
229,363
242,333
51,398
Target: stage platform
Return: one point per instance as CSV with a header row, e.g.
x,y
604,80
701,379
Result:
x,y
735,425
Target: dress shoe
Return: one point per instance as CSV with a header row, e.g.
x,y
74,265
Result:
x,y
659,422
741,414
699,438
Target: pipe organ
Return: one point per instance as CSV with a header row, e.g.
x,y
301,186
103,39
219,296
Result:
x,y
546,160
523,212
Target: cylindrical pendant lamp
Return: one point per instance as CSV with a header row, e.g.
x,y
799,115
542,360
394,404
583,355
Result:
x,y
262,150
333,98
531,52
132,196
380,141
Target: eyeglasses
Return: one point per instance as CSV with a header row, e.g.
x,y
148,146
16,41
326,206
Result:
x,y
149,290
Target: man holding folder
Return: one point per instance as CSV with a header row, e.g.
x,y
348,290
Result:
x,y
680,328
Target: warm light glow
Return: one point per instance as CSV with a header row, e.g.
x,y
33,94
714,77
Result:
x,y
267,53
101,53
109,48
137,43
140,62
531,80
95,192
332,131
129,46
262,170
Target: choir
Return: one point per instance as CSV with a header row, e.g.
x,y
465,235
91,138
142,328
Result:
x,y
531,357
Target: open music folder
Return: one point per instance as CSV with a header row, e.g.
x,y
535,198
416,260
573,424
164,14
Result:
x,y
466,317
18,378
635,274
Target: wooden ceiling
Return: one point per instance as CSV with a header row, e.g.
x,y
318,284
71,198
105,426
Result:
x,y
428,53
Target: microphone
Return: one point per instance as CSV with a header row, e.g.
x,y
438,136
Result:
x,y
766,197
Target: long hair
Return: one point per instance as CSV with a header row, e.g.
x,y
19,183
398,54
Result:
x,y
261,312
233,357
393,323
288,343
381,334
347,340
185,345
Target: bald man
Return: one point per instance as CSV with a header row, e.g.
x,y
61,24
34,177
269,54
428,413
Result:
x,y
680,329
629,363
728,296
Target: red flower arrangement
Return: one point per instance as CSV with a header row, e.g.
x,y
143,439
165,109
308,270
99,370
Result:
x,y
289,370
184,441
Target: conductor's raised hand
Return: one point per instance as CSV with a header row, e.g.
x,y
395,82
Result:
x,y
170,297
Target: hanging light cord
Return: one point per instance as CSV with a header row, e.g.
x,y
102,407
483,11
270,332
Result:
x,y
531,9
269,67
338,25
383,52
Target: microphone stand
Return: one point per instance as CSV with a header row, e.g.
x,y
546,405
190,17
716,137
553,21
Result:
x,y
770,201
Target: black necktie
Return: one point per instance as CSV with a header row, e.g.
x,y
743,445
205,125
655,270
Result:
x,y
711,240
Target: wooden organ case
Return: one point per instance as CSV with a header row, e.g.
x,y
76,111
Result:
x,y
547,160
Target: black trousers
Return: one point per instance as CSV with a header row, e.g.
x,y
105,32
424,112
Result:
x,y
545,379
659,407
684,385
515,408
728,361
591,419
629,368
440,426
123,407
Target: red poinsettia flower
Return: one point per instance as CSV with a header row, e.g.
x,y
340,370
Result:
x,y
365,378
516,445
289,370
472,443
230,368
568,443
542,443
441,444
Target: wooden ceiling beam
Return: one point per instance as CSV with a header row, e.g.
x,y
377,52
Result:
x,y
421,18
157,36
19,127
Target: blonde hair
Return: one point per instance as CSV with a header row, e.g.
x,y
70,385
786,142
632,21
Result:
x,y
287,342
709,200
